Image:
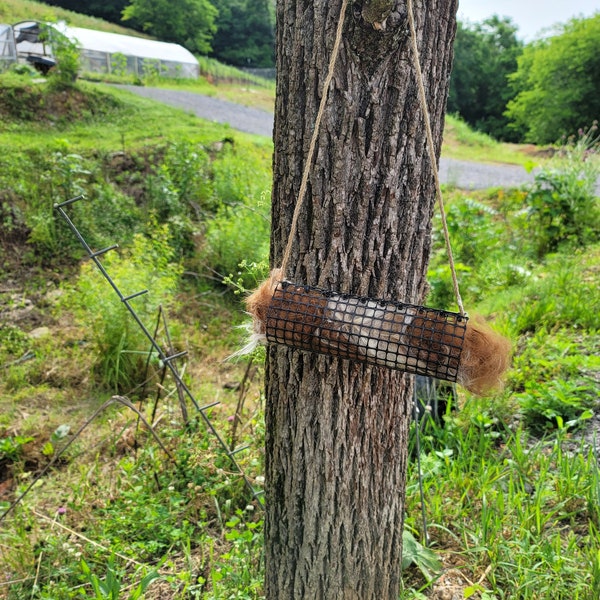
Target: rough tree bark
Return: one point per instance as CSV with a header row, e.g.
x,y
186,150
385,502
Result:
x,y
337,431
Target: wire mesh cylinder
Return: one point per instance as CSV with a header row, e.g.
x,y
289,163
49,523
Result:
x,y
406,337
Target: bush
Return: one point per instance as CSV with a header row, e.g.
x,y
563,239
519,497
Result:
x,y
562,204
66,52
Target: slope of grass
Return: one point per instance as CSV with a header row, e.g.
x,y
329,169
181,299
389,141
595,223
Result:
x,y
14,11
464,143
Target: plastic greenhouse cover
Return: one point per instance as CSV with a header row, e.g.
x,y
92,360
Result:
x,y
111,43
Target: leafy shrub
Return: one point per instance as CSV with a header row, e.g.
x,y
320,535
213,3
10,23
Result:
x,y
236,236
562,203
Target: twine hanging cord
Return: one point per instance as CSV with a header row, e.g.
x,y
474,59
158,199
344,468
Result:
x,y
432,157
313,139
430,146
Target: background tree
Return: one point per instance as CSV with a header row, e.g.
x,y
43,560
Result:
x,y
190,23
485,54
245,35
336,432
558,83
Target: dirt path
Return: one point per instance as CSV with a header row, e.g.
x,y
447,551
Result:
x,y
463,174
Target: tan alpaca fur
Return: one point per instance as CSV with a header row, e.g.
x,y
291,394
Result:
x,y
484,359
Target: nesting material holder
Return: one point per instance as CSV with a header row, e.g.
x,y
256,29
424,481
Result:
x,y
410,338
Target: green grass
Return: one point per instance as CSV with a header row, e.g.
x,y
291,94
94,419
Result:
x,y
14,11
463,143
517,516
134,122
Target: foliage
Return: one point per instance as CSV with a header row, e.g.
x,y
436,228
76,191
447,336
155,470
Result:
x,y
67,54
237,235
13,341
562,203
181,193
41,179
190,23
509,508
485,54
110,587
553,377
245,35
558,404
239,231
121,348
486,245
11,448
414,553
556,83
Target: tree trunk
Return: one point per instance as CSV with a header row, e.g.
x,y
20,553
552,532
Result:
x,y
337,431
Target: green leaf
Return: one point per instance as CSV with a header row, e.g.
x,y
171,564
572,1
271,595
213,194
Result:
x,y
415,553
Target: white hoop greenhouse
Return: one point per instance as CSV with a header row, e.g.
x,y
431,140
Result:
x,y
101,52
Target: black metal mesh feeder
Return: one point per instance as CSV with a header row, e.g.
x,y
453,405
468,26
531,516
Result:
x,y
410,338
415,339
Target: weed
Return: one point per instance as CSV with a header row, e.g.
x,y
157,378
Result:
x,y
556,404
13,341
11,448
237,236
110,587
122,350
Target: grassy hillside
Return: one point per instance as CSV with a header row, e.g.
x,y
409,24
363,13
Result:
x,y
142,496
13,11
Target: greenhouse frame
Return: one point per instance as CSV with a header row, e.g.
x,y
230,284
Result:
x,y
8,48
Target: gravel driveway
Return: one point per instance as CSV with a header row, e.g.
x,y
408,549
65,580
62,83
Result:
x,y
463,174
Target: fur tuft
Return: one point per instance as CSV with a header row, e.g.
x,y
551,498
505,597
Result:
x,y
257,304
484,359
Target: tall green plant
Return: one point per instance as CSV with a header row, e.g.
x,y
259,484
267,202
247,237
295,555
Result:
x,y
120,346
562,203
67,55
